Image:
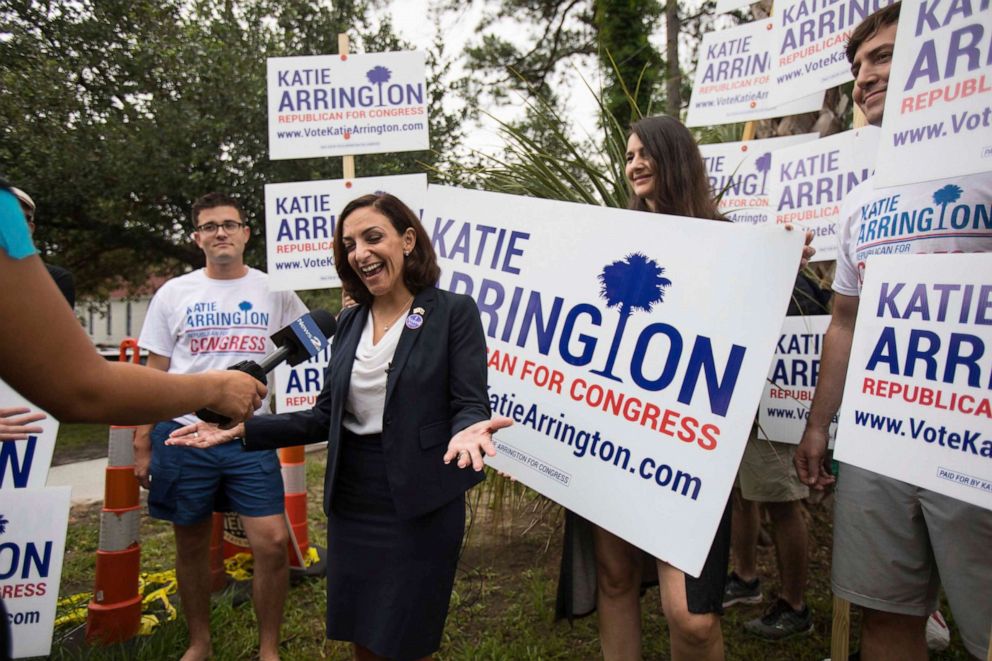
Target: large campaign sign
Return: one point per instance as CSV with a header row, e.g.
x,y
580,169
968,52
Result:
x,y
733,79
938,107
792,378
24,464
917,400
32,543
618,344
336,105
811,180
300,218
809,43
740,175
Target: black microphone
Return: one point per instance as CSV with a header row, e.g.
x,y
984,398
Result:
x,y
301,340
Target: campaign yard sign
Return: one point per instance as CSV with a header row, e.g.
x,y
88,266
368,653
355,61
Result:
x,y
792,380
740,174
32,543
733,79
917,400
938,107
25,464
809,42
618,344
337,105
811,179
297,387
299,224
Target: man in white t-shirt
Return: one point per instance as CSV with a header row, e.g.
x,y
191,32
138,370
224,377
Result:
x,y
896,544
210,319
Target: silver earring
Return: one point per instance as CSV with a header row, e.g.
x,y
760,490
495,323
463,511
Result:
x,y
406,253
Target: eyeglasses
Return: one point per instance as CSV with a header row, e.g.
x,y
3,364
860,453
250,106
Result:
x,y
211,228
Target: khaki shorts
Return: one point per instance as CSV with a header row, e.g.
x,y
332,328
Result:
x,y
895,544
767,475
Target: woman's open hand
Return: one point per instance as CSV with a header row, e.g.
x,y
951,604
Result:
x,y
204,435
472,444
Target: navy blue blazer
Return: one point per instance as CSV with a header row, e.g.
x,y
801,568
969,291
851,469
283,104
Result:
x,y
435,388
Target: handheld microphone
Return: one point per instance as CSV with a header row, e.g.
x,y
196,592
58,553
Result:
x,y
301,340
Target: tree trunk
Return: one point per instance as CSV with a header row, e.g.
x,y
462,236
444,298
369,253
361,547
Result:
x,y
673,74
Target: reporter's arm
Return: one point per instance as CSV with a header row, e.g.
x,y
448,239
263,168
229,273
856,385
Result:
x,y
46,356
143,434
811,453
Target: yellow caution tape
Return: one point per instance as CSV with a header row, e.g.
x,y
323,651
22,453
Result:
x,y
156,587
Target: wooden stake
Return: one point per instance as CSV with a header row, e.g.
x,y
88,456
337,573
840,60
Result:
x,y
859,119
347,162
840,643
749,130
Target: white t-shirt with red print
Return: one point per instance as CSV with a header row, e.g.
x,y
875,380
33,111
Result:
x,y
202,323
942,216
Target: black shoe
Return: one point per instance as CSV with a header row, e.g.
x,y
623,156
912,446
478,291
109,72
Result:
x,y
738,591
781,621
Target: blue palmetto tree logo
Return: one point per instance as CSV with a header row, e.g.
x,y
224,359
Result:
x,y
3,524
763,164
948,194
379,75
633,283
244,306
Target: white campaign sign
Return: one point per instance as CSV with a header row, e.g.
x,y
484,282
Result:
x,y
336,105
25,464
938,108
809,42
32,543
299,225
792,379
809,182
297,387
733,79
917,402
740,174
621,349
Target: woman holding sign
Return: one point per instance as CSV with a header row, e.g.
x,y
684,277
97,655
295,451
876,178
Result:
x,y
666,175
405,397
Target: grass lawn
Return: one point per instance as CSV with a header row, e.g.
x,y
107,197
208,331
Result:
x,y
79,442
502,607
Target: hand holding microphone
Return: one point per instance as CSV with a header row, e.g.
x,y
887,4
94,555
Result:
x,y
301,340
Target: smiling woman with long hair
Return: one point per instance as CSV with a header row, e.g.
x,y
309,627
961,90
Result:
x,y
404,408
666,175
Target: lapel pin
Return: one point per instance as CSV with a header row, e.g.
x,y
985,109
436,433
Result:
x,y
419,311
414,320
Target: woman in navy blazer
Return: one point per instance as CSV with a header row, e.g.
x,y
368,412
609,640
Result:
x,y
404,408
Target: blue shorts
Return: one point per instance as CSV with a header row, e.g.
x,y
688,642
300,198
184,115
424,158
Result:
x,y
189,484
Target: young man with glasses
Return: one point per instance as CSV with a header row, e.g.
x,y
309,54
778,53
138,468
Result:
x,y
209,319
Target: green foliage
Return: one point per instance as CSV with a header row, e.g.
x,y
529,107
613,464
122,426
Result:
x,y
115,115
632,64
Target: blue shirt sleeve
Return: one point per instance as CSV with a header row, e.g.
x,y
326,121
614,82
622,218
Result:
x,y
15,239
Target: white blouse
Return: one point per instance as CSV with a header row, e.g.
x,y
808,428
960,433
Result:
x,y
367,392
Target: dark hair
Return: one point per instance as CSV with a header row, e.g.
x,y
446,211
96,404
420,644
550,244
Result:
x,y
681,186
869,27
420,269
212,200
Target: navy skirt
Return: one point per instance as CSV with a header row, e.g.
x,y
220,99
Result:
x,y
389,581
